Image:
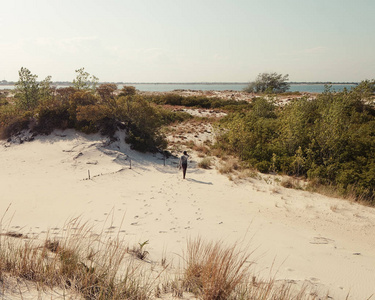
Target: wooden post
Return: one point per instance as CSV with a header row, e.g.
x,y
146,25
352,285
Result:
x,y
88,171
130,163
164,158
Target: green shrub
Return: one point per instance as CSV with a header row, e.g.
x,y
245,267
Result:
x,y
53,118
330,139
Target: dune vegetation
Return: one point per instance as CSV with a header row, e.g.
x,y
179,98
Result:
x,y
83,264
329,140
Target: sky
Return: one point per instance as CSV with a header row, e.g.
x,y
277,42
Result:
x,y
188,41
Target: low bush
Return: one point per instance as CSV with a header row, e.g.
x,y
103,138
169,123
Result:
x,y
205,163
12,124
198,102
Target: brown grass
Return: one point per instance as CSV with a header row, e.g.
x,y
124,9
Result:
x,y
205,163
230,165
214,271
94,266
291,183
98,266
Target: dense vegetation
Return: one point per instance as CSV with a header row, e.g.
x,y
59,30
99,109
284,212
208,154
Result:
x,y
86,107
198,102
330,140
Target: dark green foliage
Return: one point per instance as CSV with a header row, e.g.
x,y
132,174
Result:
x,y
330,139
128,91
269,83
27,90
50,118
170,116
198,102
143,121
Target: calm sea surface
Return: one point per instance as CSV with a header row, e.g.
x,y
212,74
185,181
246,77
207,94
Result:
x,y
167,87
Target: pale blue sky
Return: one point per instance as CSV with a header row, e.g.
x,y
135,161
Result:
x,y
190,40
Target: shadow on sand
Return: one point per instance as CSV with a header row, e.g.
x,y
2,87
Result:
x,y
197,181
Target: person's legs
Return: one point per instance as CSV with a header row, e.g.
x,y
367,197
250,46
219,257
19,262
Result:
x,y
184,167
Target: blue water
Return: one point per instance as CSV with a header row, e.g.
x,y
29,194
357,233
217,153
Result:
x,y
167,87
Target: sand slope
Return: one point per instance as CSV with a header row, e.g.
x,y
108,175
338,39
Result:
x,y
329,243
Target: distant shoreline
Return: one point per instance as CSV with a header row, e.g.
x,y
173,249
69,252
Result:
x,y
313,87
67,83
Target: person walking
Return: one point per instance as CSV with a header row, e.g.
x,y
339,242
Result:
x,y
183,163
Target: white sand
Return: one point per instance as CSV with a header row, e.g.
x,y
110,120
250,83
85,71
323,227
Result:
x,y
307,237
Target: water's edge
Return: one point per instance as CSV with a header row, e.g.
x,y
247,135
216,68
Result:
x,y
167,87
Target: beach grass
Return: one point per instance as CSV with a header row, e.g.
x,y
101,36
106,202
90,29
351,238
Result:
x,y
93,265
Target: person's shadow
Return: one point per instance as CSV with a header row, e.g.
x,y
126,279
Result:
x,y
197,181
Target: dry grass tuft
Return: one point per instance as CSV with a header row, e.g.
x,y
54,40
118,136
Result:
x,y
229,166
291,183
214,271
202,150
205,163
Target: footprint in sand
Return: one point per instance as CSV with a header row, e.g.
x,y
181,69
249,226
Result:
x,y
314,280
321,240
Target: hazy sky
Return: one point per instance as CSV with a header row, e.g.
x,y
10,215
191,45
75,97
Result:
x,y
190,40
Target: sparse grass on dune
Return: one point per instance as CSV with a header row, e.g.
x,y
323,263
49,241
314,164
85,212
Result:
x,y
214,271
100,266
93,266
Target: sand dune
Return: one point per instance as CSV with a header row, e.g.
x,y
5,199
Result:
x,y
300,236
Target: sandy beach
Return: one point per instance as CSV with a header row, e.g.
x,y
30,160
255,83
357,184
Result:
x,y
302,237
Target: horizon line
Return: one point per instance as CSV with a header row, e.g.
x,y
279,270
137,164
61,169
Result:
x,y
5,82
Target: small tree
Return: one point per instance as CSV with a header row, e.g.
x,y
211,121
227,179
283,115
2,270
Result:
x,y
269,82
298,161
128,90
27,89
85,81
46,90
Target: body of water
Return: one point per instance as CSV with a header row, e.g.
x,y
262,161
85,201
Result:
x,y
167,87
